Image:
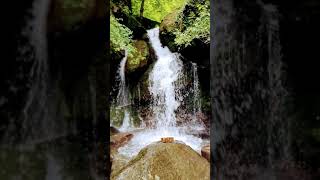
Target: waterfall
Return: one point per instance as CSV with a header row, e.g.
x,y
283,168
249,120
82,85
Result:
x,y
126,123
196,90
122,97
165,73
122,100
196,123
165,88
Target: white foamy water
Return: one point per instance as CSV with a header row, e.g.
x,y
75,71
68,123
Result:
x,y
123,95
145,137
164,88
162,78
126,123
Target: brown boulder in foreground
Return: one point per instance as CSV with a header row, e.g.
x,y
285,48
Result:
x,y
165,161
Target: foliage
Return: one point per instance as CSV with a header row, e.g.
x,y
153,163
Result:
x,y
120,36
156,9
195,26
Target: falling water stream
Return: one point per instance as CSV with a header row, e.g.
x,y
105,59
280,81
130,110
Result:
x,y
164,88
123,95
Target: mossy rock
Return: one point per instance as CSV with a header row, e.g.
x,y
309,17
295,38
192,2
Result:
x,y
175,32
139,58
116,116
165,161
141,90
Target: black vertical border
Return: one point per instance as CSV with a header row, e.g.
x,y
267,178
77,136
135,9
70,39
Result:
x,y
103,89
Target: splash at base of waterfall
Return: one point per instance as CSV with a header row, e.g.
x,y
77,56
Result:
x,y
143,138
126,123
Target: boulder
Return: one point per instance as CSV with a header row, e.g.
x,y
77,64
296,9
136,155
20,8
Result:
x,y
120,139
205,152
113,130
139,58
165,161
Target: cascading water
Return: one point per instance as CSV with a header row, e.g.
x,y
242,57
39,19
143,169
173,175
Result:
x,y
164,89
196,92
123,101
165,73
122,97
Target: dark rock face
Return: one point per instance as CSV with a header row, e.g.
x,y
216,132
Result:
x,y
205,152
113,131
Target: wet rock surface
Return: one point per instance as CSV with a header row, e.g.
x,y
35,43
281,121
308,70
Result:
x,y
165,161
120,139
205,152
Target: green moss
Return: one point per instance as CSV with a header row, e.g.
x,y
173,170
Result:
x,y
139,57
116,116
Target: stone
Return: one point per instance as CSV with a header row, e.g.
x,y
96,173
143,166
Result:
x,y
139,58
113,131
205,152
120,139
165,161
167,140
